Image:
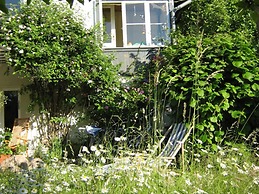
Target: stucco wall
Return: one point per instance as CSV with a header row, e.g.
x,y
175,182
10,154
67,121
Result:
x,y
13,83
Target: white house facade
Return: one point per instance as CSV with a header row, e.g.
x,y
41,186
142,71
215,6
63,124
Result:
x,y
132,28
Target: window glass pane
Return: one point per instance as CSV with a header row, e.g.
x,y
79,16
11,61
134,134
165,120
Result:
x,y
15,3
135,13
136,35
107,22
158,13
159,34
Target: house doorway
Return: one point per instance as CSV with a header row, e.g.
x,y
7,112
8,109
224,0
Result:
x,y
10,108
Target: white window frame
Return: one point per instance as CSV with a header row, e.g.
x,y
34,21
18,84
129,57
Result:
x,y
113,29
124,24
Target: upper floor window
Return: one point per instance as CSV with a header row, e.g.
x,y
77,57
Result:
x,y
135,23
15,3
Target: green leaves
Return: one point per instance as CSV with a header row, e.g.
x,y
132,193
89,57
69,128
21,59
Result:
x,y
249,76
237,63
219,81
3,8
63,60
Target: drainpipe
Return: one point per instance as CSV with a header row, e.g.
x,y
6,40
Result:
x,y
175,9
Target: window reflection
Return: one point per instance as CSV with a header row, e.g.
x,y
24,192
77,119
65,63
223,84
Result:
x,y
107,22
136,35
135,13
158,22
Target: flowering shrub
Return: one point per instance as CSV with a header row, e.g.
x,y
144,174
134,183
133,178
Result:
x,y
2,99
64,62
4,137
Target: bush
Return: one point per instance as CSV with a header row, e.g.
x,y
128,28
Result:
x,y
216,80
64,62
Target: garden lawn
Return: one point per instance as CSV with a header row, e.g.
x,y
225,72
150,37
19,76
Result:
x,y
233,170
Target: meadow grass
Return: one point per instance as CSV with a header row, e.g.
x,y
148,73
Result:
x,y
230,170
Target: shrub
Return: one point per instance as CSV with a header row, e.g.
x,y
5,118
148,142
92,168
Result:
x,y
64,62
216,77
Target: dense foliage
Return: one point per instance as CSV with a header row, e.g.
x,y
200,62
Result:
x,y
66,67
216,16
212,69
217,78
63,61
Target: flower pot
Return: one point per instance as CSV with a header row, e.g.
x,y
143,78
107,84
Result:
x,y
4,157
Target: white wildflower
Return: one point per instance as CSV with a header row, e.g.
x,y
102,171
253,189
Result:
x,y
97,153
58,188
200,191
61,38
224,173
85,178
255,168
222,153
80,155
23,191
66,184
209,166
117,138
21,51
199,141
93,148
222,165
34,191
103,160
123,138
85,149
199,176
240,171
218,160
256,181
197,155
204,151
188,182
104,190
197,160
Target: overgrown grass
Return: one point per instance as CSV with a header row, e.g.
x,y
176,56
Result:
x,y
231,170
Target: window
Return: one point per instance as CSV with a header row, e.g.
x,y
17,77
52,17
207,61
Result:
x,y
10,3
135,23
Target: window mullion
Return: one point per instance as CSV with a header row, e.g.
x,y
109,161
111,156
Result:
x,y
147,23
124,24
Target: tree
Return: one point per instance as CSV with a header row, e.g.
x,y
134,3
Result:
x,y
4,9
64,62
211,70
